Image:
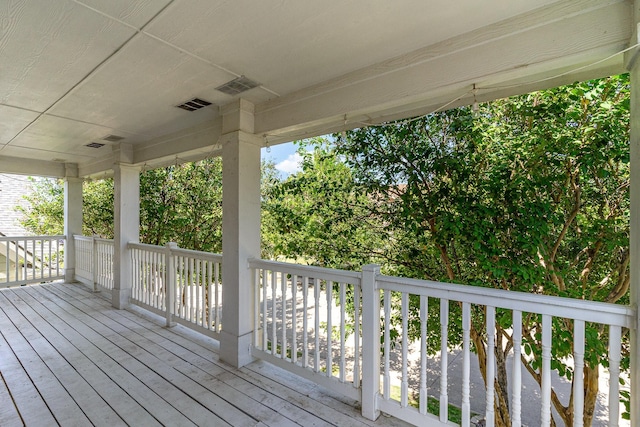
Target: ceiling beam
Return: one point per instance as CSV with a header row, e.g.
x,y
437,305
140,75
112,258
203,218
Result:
x,y
512,50
199,140
20,166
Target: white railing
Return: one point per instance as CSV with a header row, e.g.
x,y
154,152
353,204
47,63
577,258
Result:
x,y
307,320
180,284
30,259
511,306
401,369
148,276
94,261
385,341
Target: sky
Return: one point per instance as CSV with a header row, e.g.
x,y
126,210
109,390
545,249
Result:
x,y
285,157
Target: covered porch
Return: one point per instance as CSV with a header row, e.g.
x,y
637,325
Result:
x,y
91,89
67,338
68,357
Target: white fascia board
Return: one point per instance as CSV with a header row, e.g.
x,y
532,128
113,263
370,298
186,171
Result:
x,y
20,166
539,44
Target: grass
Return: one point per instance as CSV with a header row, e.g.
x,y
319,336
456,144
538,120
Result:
x,y
433,405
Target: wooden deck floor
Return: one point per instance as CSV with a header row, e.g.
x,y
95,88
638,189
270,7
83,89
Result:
x,y
67,358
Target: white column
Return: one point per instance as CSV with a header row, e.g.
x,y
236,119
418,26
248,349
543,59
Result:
x,y
370,342
634,238
240,231
72,218
126,218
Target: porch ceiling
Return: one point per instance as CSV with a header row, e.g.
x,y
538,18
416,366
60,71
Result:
x,y
74,71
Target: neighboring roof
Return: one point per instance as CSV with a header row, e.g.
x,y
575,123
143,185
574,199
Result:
x,y
12,190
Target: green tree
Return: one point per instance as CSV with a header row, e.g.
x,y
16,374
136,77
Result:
x,y
44,214
180,203
183,204
319,215
530,194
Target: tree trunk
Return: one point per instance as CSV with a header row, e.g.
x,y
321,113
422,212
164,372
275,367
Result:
x,y
591,377
501,401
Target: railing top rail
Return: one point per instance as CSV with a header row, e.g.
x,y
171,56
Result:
x,y
198,254
12,238
345,276
146,247
81,237
103,240
177,251
590,311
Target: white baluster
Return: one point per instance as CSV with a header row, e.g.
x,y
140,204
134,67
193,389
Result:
x,y
491,370
153,280
444,362
615,341
283,318
424,313
210,292
516,381
192,289
329,285
257,324
546,371
216,291
578,373
265,317
343,299
466,364
404,391
274,315
356,336
294,320
386,385
305,321
199,296
316,333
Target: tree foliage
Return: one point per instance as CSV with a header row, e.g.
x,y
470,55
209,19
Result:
x,y
531,194
179,203
319,215
183,204
44,213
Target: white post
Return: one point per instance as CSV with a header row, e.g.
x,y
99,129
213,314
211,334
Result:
x,y
370,342
170,284
126,218
634,238
240,231
72,218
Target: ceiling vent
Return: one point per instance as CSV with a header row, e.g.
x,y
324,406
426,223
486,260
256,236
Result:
x,y
94,145
113,138
238,85
194,104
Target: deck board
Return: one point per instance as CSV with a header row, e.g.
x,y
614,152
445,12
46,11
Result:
x,y
68,358
86,361
33,352
165,402
271,409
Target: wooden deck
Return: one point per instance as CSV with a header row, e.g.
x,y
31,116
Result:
x,y
67,358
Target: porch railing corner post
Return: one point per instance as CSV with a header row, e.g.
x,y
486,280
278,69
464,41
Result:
x,y
170,282
370,341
